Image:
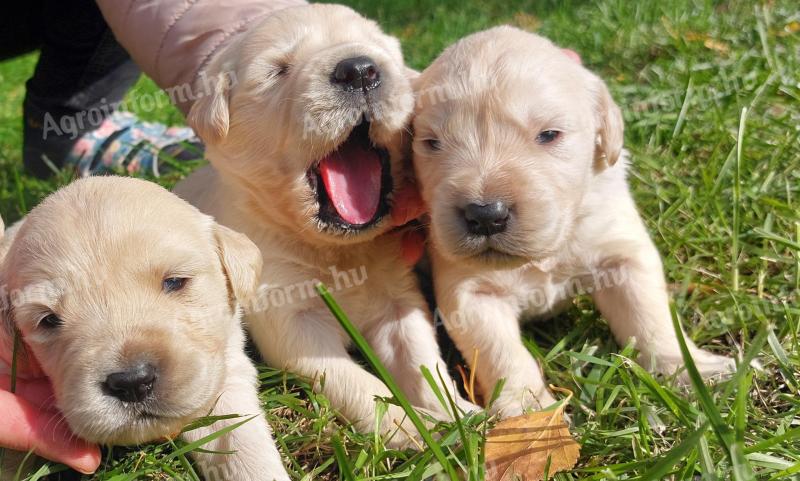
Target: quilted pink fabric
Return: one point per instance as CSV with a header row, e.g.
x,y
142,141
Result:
x,y
172,40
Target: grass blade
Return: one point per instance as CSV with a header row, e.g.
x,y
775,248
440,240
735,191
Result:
x,y
789,435
704,397
783,359
205,440
473,467
426,373
737,196
363,346
47,470
674,456
345,469
742,471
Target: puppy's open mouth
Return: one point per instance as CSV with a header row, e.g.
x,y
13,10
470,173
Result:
x,y
352,183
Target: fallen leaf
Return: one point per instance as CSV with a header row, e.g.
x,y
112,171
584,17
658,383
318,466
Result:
x,y
716,45
708,42
523,447
526,21
790,29
694,36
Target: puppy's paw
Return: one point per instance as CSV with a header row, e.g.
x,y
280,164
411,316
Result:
x,y
401,433
711,366
467,407
431,404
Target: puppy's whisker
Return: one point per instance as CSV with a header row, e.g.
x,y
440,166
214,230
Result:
x,y
57,419
49,400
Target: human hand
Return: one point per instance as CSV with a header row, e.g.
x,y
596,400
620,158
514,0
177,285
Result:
x,y
30,421
408,205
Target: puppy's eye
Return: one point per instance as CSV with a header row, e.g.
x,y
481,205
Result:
x,y
51,321
174,284
547,136
281,69
433,144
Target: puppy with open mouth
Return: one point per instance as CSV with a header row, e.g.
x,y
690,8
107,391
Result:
x,y
129,299
307,148
518,151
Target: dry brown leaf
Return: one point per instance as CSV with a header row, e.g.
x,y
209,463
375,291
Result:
x,y
518,448
790,29
694,36
708,42
526,21
716,45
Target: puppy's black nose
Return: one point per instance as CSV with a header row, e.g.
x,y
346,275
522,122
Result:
x,y
486,219
357,73
132,385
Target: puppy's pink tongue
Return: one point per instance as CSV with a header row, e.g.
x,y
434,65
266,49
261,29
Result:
x,y
352,178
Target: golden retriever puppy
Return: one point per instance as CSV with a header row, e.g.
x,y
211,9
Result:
x,y
518,151
128,298
307,150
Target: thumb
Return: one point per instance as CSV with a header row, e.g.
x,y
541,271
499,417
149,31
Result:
x,y
39,392
408,205
412,246
24,427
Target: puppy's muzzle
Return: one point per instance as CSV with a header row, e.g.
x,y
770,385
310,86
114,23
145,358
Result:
x,y
486,219
133,385
357,73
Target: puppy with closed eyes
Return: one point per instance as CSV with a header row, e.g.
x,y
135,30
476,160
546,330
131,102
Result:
x,y
128,298
307,150
518,151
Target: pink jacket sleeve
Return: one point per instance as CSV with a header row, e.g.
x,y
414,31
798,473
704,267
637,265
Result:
x,y
172,40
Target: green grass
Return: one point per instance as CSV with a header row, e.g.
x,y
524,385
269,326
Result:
x,y
711,96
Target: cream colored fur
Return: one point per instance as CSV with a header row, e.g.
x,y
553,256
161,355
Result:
x,y
95,253
481,106
263,134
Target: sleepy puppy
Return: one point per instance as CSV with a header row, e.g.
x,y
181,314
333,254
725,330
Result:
x,y
518,151
128,298
307,151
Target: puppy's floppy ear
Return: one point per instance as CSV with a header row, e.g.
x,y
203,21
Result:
x,y
6,313
610,127
210,115
6,325
8,328
241,260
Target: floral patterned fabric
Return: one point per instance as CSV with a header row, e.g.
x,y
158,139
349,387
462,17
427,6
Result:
x,y
123,143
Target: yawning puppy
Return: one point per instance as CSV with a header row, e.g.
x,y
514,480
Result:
x,y
128,298
516,148
307,148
